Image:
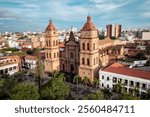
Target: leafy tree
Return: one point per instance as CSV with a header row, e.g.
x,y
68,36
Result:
x,y
5,76
107,93
148,49
119,87
85,81
147,63
24,91
8,85
1,83
62,77
126,96
39,72
9,49
140,56
76,80
96,96
136,92
55,90
148,94
96,82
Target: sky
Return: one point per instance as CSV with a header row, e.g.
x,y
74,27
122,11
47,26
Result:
x,y
34,15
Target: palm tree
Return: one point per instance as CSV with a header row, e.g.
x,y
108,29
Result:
x,y
55,74
96,82
61,77
76,80
148,94
119,87
136,92
39,72
85,81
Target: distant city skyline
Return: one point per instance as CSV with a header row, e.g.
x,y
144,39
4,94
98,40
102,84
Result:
x,y
34,15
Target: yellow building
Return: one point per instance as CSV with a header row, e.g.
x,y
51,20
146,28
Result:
x,y
52,61
83,57
89,51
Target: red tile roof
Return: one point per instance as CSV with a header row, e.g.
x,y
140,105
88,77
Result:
x,y
31,57
123,70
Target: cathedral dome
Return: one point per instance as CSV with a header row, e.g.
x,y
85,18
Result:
x,y
88,26
50,26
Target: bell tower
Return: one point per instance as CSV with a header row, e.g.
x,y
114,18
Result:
x,y
89,51
52,61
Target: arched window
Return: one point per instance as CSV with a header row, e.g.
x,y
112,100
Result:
x,y
49,43
88,62
10,69
83,46
57,54
93,46
14,67
94,61
63,67
71,55
54,55
6,70
83,61
56,43
72,68
88,47
49,55
46,43
2,71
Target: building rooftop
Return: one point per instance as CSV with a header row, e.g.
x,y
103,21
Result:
x,y
30,57
124,70
105,41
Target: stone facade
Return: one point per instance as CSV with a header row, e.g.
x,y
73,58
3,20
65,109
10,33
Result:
x,y
84,57
89,51
69,58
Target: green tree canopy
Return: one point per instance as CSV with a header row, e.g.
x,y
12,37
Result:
x,y
24,91
96,96
7,84
55,89
96,82
126,96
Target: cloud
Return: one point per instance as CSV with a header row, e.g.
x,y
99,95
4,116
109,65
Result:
x,y
146,14
36,13
105,5
6,14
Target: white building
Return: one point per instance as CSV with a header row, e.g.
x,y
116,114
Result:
x,y
146,36
30,62
8,66
113,30
114,73
13,44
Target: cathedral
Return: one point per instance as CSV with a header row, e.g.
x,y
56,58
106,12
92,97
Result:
x,y
83,57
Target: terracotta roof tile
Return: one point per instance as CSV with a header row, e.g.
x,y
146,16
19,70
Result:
x,y
50,26
88,26
123,70
31,57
